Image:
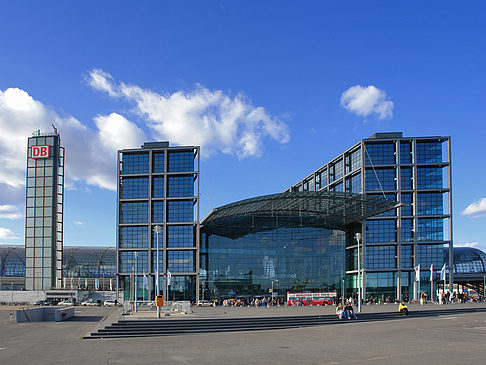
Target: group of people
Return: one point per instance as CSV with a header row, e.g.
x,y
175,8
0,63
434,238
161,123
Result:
x,y
346,312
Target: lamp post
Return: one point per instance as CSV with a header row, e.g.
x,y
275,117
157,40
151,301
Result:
x,y
358,239
136,272
157,230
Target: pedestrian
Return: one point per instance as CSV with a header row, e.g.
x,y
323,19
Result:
x,y
350,311
402,308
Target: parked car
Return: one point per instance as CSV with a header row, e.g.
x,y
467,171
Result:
x,y
40,302
89,303
205,303
109,303
66,302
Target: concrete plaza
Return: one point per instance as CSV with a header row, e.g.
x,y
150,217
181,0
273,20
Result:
x,y
450,336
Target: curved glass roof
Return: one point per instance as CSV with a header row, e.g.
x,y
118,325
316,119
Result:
x,y
333,210
84,261
467,260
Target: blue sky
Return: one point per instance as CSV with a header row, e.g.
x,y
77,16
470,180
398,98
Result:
x,y
258,84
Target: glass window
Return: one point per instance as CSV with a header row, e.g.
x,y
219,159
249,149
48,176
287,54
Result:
x,y
388,213
180,211
430,254
180,236
180,186
135,163
380,231
380,154
181,261
127,262
181,161
430,229
158,212
336,170
161,261
406,230
405,152
406,256
158,187
378,179
133,188
380,257
406,178
158,162
429,152
133,237
407,202
136,212
429,178
429,203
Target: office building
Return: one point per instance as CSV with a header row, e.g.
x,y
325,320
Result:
x,y
415,171
44,211
158,191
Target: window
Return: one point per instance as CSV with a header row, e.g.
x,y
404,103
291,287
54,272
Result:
x,y
405,152
380,154
380,231
430,254
180,211
158,187
430,229
429,178
127,262
388,213
378,179
180,236
406,178
158,212
336,170
136,212
133,237
181,261
429,152
407,202
134,188
181,161
380,257
406,230
158,162
135,163
429,203
180,186
406,256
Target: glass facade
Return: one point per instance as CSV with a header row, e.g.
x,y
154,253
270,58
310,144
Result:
x,y
416,172
44,212
295,259
158,186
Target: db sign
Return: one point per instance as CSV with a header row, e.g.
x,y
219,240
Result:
x,y
41,151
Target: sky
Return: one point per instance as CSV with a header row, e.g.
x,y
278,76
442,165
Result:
x,y
270,90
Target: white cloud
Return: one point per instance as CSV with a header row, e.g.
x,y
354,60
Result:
x,y
10,212
476,209
78,223
468,244
210,119
365,101
7,234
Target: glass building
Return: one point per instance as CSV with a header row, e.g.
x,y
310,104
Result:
x,y
415,171
158,191
44,211
288,242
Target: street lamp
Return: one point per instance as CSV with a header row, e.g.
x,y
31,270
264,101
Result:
x,y
358,239
157,230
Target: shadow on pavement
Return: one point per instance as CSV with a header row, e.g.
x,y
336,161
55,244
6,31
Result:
x,y
79,318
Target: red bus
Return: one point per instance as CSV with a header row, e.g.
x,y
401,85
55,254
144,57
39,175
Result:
x,y
296,299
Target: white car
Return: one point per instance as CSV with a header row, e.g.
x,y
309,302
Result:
x,y
89,303
205,303
66,302
109,303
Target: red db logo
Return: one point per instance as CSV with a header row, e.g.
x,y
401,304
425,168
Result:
x,y
41,151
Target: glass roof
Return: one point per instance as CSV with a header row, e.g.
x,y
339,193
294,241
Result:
x,y
333,210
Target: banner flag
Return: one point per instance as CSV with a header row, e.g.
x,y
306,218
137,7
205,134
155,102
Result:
x,y
431,272
417,272
169,276
443,272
